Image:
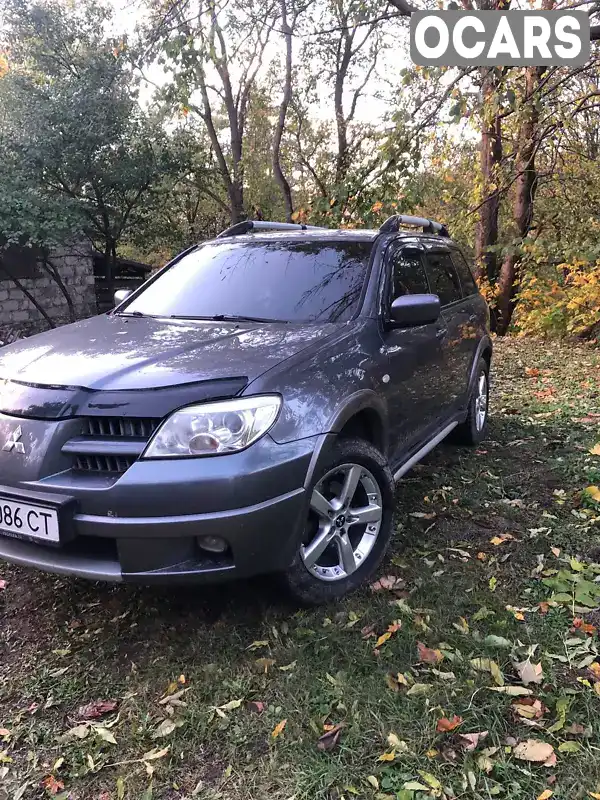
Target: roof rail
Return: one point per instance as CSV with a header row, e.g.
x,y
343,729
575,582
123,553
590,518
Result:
x,y
249,225
393,224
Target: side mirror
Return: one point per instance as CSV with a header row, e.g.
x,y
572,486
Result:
x,y
121,295
411,310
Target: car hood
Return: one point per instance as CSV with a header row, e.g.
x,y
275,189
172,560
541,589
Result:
x,y
114,352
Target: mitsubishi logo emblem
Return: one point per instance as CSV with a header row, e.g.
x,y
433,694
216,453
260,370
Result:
x,y
14,442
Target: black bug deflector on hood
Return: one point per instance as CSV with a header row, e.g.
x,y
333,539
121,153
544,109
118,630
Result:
x,y
62,402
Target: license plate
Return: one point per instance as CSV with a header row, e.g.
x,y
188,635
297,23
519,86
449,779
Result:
x,y
30,520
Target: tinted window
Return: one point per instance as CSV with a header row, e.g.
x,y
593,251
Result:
x,y
295,282
443,278
408,275
466,277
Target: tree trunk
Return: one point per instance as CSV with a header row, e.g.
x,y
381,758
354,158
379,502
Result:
x,y
490,156
523,203
52,270
236,201
282,181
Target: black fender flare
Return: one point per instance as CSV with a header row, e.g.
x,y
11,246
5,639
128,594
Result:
x,y
362,400
484,346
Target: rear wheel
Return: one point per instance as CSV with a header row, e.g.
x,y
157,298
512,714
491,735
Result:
x,y
472,430
349,524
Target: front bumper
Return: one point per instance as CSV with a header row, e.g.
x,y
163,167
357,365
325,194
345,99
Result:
x,y
165,549
145,526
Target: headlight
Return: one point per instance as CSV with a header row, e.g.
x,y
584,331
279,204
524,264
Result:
x,y
212,428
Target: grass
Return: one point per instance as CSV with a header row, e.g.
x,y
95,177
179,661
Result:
x,y
247,661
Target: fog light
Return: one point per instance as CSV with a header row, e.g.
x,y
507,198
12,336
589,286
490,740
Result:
x,y
212,544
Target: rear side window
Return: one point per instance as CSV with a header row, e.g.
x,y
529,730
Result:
x,y
408,275
443,278
464,273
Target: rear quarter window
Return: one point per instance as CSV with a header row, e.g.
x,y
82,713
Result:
x,y
443,278
464,273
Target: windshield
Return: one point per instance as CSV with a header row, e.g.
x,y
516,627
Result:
x,y
272,281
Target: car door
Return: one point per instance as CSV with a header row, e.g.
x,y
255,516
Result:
x,y
414,354
457,317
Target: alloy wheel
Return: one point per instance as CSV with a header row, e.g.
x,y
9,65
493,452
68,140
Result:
x,y
481,401
346,512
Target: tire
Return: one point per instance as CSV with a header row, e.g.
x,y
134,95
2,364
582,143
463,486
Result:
x,y
315,579
472,431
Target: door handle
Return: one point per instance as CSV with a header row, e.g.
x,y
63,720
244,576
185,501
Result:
x,y
441,333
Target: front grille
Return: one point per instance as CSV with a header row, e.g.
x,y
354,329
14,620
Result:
x,y
118,427
110,445
92,463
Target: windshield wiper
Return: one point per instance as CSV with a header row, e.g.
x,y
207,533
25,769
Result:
x,y
230,318
132,314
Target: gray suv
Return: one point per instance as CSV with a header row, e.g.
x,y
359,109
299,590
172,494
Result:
x,y
246,411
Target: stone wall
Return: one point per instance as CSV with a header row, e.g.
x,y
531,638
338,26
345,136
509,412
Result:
x,y
75,266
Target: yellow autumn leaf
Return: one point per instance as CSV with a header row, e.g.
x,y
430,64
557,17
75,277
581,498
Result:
x,y
593,492
594,795
382,639
387,756
595,450
545,794
279,728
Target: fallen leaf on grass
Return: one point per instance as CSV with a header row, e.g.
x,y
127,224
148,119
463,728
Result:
x,y
256,706
545,795
52,785
277,730
419,689
529,672
230,706
593,492
533,750
264,664
388,583
105,735
2,585
497,641
153,755
487,665
581,625
595,450
469,741
330,739
501,538
257,644
528,708
395,626
569,747
395,680
445,725
513,691
387,756
166,728
430,780
429,656
396,743
96,709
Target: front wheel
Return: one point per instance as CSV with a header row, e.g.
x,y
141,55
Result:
x,y
349,524
473,428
